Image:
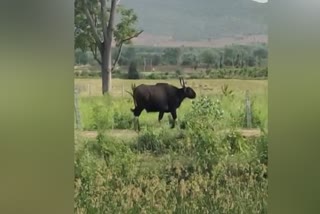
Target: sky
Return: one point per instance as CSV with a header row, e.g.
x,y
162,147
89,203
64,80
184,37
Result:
x,y
261,1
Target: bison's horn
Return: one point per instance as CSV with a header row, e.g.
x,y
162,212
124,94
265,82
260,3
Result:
x,y
182,82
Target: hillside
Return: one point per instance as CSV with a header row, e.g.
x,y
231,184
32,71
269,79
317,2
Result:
x,y
190,20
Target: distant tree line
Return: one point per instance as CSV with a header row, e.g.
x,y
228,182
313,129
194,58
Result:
x,y
146,58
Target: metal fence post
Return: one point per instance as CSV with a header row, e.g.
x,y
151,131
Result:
x,y
248,110
77,111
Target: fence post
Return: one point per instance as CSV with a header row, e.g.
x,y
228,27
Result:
x,y
89,89
76,108
248,110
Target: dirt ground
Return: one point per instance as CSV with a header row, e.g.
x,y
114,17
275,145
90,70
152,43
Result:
x,y
125,133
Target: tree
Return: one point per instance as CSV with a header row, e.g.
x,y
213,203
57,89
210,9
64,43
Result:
x,y
261,52
188,59
156,59
172,55
209,57
95,29
81,57
229,55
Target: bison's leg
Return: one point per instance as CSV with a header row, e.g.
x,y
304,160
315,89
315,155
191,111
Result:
x,y
136,112
174,117
136,124
161,113
160,116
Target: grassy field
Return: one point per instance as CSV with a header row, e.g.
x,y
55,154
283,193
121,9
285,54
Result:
x,y
205,165
201,86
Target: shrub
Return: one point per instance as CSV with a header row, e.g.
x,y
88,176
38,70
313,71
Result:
x,y
226,91
102,117
122,120
132,71
77,73
158,141
85,73
262,148
236,143
154,76
150,141
205,109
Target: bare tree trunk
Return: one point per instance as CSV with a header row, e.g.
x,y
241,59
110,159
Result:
x,y
104,75
109,72
106,69
106,60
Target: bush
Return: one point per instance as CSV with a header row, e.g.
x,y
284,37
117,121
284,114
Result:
x,y
158,141
150,141
102,117
85,73
205,109
77,73
132,71
122,120
153,76
262,148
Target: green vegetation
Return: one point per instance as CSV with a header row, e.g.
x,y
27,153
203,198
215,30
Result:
x,y
225,73
235,61
205,165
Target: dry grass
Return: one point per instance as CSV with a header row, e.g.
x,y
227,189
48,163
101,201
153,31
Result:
x,y
92,87
130,134
118,133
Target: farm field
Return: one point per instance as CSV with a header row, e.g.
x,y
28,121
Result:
x,y
205,86
211,162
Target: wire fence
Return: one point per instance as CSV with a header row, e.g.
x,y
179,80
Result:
x,y
121,91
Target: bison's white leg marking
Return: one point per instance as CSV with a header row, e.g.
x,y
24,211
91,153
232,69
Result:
x,y
136,123
174,117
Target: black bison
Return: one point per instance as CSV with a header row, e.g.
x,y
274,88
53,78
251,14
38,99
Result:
x,y
161,97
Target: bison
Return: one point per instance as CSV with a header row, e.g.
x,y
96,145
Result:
x,y
161,97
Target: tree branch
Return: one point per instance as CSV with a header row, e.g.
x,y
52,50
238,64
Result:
x,y
103,17
92,25
111,18
95,56
120,48
131,37
117,57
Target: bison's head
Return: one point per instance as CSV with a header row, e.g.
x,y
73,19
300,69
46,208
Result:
x,y
188,91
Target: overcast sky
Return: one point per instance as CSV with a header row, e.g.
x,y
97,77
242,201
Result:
x,y
262,1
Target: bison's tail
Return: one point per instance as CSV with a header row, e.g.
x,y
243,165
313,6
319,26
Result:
x,y
133,87
129,93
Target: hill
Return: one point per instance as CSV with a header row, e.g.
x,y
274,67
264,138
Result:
x,y
190,20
